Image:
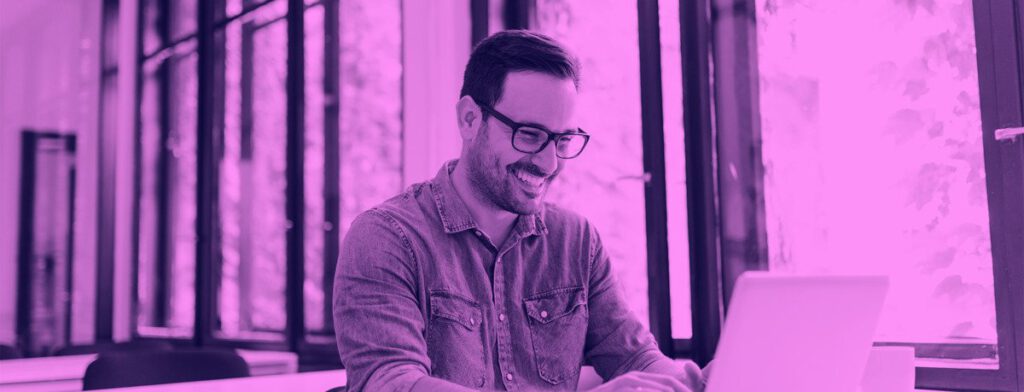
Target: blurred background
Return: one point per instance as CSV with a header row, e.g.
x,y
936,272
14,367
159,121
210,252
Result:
x,y
183,170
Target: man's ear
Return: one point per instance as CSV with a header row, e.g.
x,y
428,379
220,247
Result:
x,y
469,117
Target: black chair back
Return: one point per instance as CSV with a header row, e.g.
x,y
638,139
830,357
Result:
x,y
101,348
9,352
129,369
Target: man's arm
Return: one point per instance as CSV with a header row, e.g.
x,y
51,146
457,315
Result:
x,y
378,323
617,342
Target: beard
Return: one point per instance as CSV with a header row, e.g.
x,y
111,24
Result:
x,y
497,184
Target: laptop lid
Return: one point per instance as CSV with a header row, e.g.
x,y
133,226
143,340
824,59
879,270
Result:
x,y
797,333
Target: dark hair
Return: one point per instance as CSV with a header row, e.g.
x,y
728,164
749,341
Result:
x,y
514,50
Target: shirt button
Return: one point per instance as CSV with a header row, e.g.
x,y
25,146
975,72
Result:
x,y
478,233
508,376
501,317
543,314
472,321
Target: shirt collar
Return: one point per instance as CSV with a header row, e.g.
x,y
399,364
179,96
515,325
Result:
x,y
455,216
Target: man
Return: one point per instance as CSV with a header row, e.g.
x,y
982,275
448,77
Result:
x,y
471,281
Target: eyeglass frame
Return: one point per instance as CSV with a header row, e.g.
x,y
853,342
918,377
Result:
x,y
551,135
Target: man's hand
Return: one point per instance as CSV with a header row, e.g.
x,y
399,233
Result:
x,y
640,381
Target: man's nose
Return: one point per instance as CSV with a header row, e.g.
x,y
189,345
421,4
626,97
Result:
x,y
546,159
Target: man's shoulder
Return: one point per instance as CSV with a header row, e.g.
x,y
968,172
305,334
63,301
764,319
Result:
x,y
408,208
560,219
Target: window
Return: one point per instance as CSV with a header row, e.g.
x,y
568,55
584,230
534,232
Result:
x,y
604,37
874,162
252,179
351,141
614,164
364,145
675,168
166,192
877,122
45,254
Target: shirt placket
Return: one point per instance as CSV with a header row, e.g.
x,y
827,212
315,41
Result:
x,y
510,377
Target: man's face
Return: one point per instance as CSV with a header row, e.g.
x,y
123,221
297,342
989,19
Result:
x,y
512,180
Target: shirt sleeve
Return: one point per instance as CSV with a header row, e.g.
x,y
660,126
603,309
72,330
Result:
x,y
616,342
378,323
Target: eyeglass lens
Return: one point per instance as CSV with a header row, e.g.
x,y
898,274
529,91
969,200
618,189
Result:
x,y
531,140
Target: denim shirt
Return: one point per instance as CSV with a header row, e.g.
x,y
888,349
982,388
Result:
x,y
414,297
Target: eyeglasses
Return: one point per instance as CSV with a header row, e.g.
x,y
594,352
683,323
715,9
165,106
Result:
x,y
531,139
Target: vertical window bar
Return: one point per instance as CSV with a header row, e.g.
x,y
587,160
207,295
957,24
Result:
x,y
219,81
105,189
479,11
517,13
332,152
744,243
295,185
206,193
137,167
700,179
164,277
25,231
652,118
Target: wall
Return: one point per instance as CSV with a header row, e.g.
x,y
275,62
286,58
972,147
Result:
x,y
436,44
49,79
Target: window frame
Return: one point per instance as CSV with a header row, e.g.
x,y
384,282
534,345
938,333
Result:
x,y
106,136
735,94
316,349
24,309
705,101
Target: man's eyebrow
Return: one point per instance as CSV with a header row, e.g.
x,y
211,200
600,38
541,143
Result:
x,y
536,125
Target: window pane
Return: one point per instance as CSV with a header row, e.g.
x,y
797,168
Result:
x,y
252,219
182,172
675,169
371,105
873,157
151,38
231,8
317,225
149,158
167,188
183,19
47,192
111,35
370,130
603,34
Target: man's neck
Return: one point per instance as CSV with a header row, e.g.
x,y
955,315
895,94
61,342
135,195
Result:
x,y
491,219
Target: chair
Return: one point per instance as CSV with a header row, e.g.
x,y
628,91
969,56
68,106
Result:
x,y
128,369
9,352
101,348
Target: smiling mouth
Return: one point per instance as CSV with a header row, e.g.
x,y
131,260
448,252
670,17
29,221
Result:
x,y
530,181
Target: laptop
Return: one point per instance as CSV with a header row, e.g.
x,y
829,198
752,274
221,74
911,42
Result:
x,y
797,333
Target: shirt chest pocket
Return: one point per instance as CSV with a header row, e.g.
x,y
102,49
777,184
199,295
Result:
x,y
558,328
455,339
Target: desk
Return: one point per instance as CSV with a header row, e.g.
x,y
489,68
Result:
x,y
65,373
297,382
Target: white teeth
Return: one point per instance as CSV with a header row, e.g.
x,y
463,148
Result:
x,y
529,178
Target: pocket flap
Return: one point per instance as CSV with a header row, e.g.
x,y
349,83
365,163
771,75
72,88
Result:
x,y
455,308
554,304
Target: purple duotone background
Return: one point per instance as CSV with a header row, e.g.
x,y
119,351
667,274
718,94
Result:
x,y
870,138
